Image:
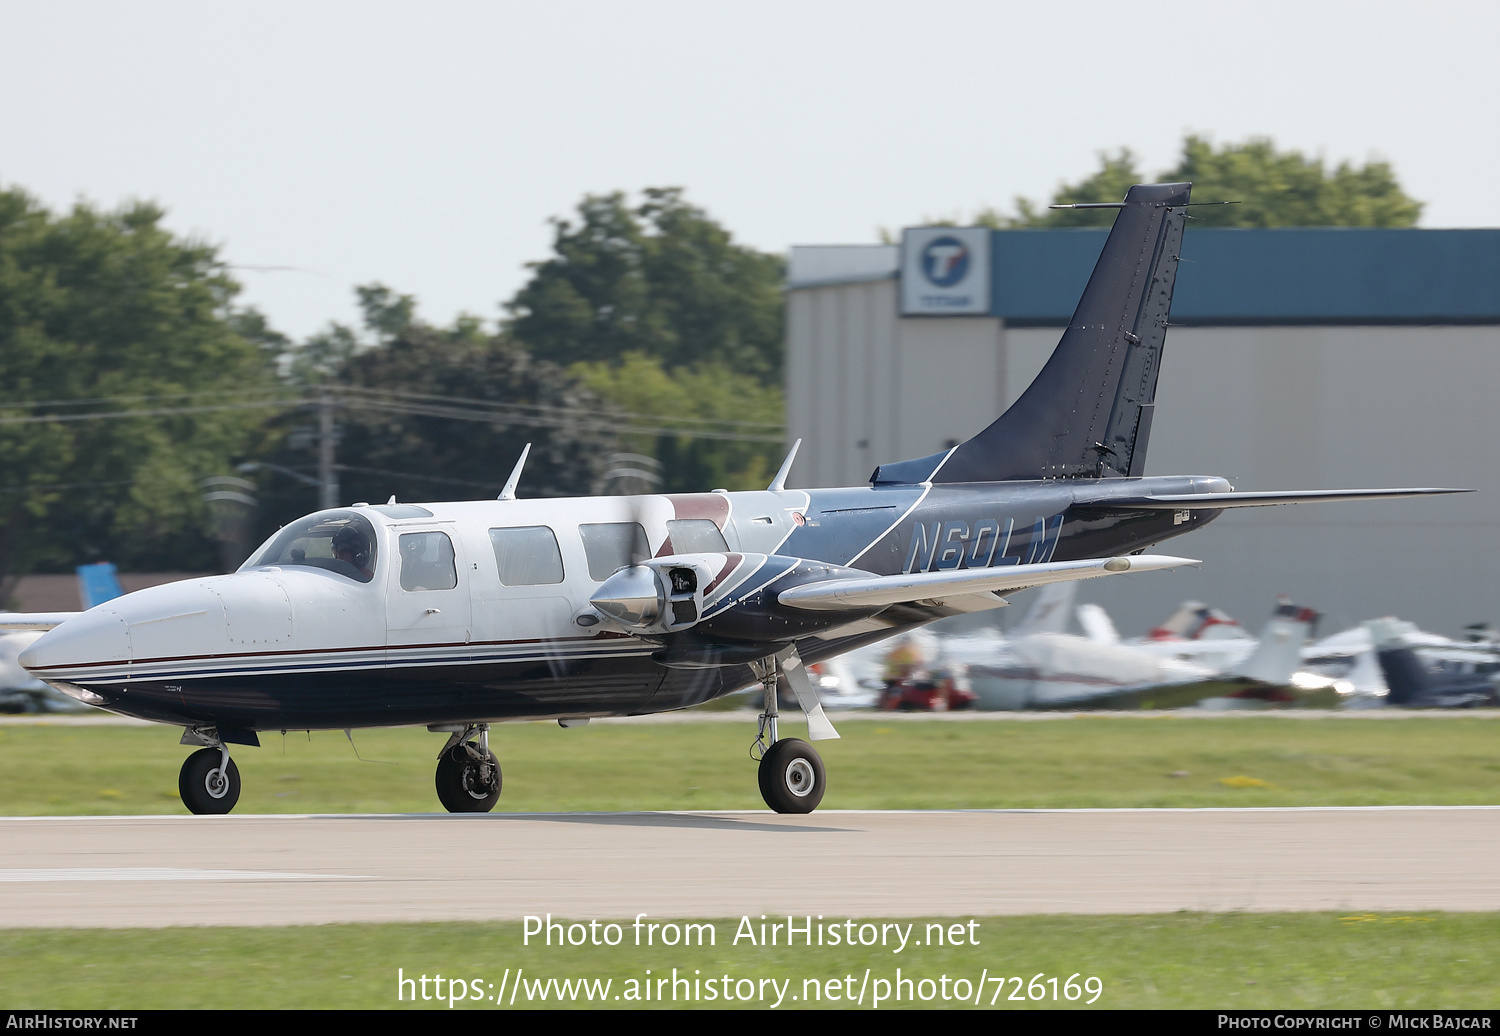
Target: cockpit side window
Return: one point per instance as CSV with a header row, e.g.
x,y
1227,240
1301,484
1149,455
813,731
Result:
x,y
613,545
527,556
427,561
342,542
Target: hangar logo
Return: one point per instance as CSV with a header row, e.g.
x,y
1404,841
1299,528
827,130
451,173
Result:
x,y
945,261
945,271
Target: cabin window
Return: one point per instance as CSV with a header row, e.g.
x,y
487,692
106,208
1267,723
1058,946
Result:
x,y
341,542
610,547
696,536
527,556
427,561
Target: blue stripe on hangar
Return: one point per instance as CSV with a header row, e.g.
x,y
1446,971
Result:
x,y
1280,275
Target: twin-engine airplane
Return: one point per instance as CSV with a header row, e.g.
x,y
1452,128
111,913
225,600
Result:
x,y
460,615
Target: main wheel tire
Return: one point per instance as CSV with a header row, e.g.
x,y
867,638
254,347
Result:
x,y
202,788
466,785
791,777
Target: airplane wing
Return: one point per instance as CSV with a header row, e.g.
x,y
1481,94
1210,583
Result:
x,y
868,591
13,621
1215,501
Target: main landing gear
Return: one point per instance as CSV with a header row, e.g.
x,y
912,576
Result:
x,y
791,773
468,774
209,781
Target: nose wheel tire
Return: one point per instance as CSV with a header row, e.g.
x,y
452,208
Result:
x,y
468,779
791,777
203,788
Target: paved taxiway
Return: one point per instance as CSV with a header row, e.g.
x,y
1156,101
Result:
x,y
264,870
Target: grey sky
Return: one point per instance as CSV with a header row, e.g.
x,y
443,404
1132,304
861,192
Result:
x,y
426,145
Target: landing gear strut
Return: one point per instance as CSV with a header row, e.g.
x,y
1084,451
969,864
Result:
x,y
209,781
791,773
468,774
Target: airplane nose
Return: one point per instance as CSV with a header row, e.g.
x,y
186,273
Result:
x,y
93,637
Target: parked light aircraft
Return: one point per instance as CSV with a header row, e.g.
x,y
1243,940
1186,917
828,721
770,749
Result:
x,y
20,691
1423,671
459,615
1388,662
1053,669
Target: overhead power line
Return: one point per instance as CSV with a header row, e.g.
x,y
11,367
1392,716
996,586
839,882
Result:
x,y
457,408
151,412
400,394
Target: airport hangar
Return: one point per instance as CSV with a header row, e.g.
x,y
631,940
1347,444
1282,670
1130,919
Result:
x,y
1298,358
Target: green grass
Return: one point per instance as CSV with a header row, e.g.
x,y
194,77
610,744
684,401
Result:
x,y
881,763
1161,961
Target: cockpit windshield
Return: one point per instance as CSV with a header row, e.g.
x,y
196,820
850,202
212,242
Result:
x,y
343,542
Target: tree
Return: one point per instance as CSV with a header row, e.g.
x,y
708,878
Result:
x,y
435,413
662,279
730,423
670,321
1273,189
126,377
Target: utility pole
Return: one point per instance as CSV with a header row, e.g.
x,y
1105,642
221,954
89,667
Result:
x,y
328,478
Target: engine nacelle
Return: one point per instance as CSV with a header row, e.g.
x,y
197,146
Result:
x,y
661,595
667,595
740,621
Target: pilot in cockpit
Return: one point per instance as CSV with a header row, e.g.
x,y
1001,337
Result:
x,y
351,547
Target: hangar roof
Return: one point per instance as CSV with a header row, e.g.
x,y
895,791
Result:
x,y
1283,275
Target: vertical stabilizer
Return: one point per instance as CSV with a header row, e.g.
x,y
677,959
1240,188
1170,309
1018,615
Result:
x,y
1088,413
1049,610
1278,653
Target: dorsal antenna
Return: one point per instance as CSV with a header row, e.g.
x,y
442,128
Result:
x,y
779,482
509,492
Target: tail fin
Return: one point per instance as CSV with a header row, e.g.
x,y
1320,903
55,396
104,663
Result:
x,y
1097,625
1049,610
1278,654
1088,413
98,583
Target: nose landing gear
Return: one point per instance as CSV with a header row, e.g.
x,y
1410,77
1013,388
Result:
x,y
209,781
468,774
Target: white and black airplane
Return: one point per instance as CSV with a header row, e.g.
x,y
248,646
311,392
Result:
x,y
460,615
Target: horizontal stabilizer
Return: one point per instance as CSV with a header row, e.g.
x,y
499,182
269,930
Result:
x,y
878,591
1215,501
10,622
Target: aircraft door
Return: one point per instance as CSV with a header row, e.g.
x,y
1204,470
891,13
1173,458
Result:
x,y
428,590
